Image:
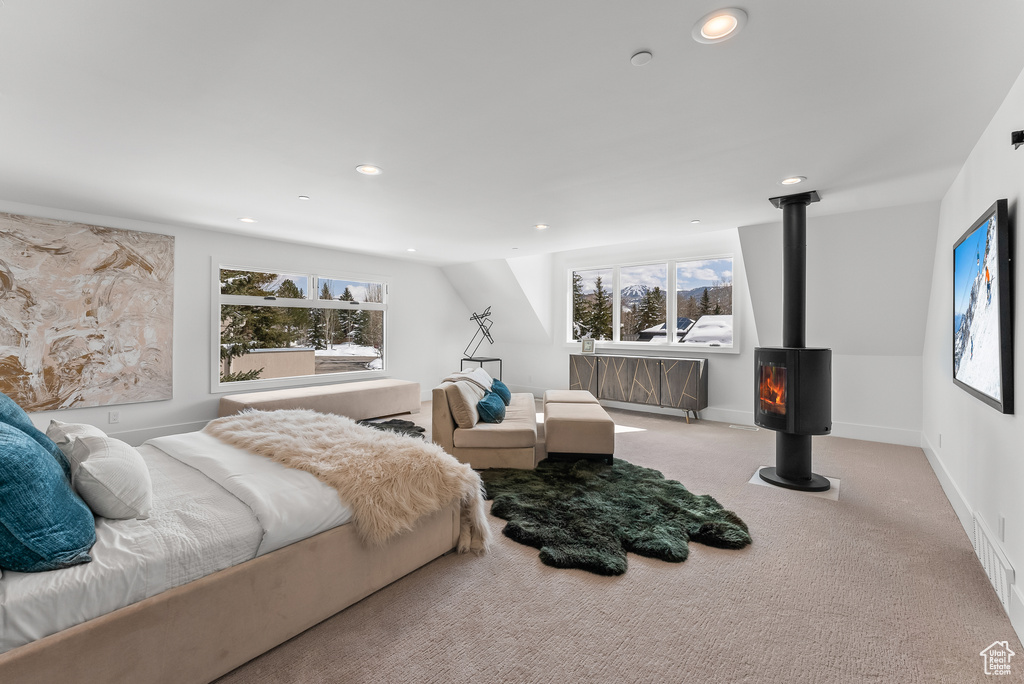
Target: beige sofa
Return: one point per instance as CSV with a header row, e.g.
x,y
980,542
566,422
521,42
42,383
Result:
x,y
508,444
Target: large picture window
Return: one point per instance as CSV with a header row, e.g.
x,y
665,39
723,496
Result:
x,y
632,304
285,325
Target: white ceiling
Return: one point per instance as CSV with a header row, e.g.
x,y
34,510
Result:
x,y
489,117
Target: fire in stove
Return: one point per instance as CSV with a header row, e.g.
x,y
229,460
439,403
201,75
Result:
x,y
773,389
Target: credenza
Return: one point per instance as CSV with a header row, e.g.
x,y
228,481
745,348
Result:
x,y
654,380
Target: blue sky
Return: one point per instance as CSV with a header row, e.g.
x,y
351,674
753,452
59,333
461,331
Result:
x,y
965,267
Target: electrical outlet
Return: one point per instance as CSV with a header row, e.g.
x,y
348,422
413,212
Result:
x,y
114,417
940,440
1002,528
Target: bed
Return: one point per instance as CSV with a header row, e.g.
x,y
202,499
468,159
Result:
x,y
238,554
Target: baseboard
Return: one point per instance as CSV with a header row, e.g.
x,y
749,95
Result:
x,y
965,514
876,433
137,437
1017,611
956,498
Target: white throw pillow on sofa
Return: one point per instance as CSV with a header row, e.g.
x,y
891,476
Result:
x,y
112,477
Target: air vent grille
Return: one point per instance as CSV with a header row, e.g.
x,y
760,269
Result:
x,y
997,567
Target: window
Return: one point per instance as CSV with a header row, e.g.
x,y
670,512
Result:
x,y
288,325
630,304
704,302
592,304
642,301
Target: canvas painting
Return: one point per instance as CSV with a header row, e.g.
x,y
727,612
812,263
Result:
x,y
86,314
976,329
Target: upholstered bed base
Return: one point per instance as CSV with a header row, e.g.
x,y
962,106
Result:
x,y
202,630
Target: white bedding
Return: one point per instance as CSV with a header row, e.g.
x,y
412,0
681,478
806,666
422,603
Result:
x,y
195,528
290,504
214,506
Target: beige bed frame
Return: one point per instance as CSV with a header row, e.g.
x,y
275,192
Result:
x,y
199,631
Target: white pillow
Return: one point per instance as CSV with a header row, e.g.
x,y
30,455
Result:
x,y
63,433
481,376
477,376
111,477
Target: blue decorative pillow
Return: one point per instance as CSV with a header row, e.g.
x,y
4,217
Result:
x,y
502,390
43,523
15,416
491,408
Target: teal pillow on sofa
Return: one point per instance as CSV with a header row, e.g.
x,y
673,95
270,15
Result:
x,y
491,408
43,523
502,390
15,416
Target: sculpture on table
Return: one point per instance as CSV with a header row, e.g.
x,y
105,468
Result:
x,y
483,331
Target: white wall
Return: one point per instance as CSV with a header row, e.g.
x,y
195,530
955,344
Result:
x,y
426,319
867,290
977,452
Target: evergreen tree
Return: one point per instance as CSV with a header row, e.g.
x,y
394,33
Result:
x,y
244,328
650,310
316,336
347,318
369,331
704,307
599,322
580,310
295,320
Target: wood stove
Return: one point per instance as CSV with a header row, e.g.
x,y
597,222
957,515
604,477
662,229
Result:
x,y
794,390
792,383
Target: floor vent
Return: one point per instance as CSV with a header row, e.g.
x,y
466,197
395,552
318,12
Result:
x,y
997,567
745,427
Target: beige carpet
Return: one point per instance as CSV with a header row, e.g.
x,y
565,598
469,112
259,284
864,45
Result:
x,y
880,586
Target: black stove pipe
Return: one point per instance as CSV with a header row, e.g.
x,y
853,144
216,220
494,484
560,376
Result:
x,y
793,451
794,269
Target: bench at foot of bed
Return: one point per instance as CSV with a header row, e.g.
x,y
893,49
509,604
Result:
x,y
357,400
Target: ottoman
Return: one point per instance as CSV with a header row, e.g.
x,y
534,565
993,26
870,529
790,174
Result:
x,y
575,429
561,396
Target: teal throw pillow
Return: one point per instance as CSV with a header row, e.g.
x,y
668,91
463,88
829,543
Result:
x,y
15,416
44,525
491,408
502,390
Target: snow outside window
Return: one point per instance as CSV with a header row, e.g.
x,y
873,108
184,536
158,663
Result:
x,y
632,305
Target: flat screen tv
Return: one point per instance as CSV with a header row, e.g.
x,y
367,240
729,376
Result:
x,y
983,310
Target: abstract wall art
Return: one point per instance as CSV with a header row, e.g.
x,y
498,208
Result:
x,y
86,314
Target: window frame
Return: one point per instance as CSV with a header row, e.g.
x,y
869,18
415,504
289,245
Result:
x,y
311,301
670,346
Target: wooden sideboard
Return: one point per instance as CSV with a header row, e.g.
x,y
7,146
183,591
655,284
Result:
x,y
653,380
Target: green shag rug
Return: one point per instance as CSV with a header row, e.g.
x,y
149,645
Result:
x,y
588,515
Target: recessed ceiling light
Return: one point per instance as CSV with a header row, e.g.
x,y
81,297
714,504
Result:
x,y
719,25
792,180
303,197
246,219
541,226
411,249
695,221
641,58
369,170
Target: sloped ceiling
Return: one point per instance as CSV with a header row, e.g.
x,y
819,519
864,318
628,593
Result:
x,y
488,118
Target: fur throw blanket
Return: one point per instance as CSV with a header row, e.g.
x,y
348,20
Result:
x,y
389,480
